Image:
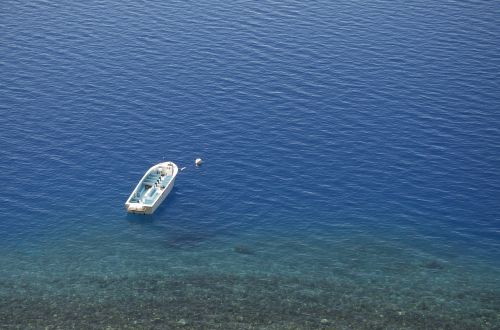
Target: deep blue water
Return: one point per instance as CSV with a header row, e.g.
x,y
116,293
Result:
x,y
351,175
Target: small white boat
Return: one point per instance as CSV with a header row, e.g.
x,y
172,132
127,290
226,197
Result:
x,y
153,188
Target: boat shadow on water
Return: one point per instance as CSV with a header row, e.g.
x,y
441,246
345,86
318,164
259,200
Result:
x,y
186,239
171,233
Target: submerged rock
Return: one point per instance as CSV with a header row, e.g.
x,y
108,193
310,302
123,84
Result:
x,y
242,249
434,264
184,240
156,320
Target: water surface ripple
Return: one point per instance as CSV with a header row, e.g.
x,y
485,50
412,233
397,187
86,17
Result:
x,y
351,175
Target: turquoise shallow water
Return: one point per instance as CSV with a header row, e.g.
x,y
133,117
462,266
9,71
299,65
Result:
x,y
351,165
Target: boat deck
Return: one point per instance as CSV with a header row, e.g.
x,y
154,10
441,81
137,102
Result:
x,y
151,187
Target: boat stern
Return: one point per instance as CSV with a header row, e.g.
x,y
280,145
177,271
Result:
x,y
135,208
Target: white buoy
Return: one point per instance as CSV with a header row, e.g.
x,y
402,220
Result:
x,y
198,161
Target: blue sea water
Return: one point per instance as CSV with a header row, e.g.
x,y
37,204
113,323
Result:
x,y
351,176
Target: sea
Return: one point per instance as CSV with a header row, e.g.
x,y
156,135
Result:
x,y
351,175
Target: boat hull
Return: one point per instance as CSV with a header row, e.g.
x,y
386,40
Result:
x,y
138,203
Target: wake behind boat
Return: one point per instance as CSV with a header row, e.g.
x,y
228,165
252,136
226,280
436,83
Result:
x,y
153,188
